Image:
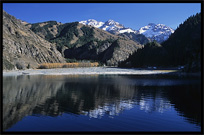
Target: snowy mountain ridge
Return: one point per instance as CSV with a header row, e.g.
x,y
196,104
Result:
x,y
158,32
110,26
93,23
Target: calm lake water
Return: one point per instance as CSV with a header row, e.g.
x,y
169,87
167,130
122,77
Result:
x,y
101,103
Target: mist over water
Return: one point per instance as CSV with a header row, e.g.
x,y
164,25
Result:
x,y
101,103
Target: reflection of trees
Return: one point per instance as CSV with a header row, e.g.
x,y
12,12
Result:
x,y
93,96
187,101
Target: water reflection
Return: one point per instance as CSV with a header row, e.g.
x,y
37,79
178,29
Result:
x,y
96,96
109,109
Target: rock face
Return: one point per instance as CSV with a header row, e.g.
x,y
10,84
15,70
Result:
x,y
22,48
78,41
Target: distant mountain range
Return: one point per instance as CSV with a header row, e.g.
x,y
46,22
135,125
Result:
x,y
158,32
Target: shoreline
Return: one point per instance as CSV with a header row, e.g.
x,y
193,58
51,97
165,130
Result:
x,y
87,71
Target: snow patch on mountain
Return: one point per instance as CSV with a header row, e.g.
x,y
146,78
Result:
x,y
128,30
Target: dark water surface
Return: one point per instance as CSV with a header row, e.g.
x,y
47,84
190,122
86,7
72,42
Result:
x,y
101,103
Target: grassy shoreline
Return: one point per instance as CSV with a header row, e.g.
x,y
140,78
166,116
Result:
x,y
67,65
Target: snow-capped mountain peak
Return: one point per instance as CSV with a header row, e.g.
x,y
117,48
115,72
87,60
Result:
x,y
112,25
158,32
92,22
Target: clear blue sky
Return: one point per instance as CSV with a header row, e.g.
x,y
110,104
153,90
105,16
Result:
x,y
133,15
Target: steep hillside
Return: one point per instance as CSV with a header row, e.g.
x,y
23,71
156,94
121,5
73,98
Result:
x,y
22,48
184,46
78,41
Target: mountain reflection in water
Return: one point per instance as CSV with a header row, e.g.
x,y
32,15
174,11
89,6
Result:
x,y
97,96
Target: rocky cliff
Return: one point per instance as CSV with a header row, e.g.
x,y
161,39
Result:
x,y
22,48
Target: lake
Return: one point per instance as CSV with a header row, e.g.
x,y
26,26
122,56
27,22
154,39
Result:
x,y
167,102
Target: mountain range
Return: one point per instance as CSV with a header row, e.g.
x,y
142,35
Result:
x,y
27,45
158,32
